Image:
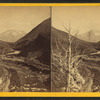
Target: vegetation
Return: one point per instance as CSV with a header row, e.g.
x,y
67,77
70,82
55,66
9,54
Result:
x,y
73,64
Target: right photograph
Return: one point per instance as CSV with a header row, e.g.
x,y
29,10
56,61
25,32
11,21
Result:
x,y
75,50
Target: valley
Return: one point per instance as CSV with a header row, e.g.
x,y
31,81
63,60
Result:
x,y
18,76
25,63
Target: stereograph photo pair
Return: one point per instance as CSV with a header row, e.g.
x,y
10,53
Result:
x,y
49,49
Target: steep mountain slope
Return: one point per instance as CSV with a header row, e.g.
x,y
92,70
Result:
x,y
78,46
37,40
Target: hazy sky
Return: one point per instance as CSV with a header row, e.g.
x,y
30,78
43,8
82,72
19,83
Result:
x,y
81,18
22,18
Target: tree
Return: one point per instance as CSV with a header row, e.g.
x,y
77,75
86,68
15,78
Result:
x,y
72,72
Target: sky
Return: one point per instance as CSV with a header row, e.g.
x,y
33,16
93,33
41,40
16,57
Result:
x,y
80,18
22,18
26,18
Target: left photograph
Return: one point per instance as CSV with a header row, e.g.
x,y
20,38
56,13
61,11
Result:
x,y
25,49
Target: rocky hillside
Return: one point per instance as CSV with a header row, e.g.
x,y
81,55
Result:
x,y
37,40
78,46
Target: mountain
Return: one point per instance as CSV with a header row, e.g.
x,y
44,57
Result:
x,y
90,36
78,46
11,35
37,40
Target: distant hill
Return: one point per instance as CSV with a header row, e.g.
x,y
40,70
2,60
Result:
x,y
90,36
37,40
11,35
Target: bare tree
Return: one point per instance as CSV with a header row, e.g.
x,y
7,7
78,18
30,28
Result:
x,y
68,64
72,72
68,59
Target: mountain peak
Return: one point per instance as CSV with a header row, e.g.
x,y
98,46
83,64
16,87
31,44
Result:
x,y
11,35
90,36
38,39
43,28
